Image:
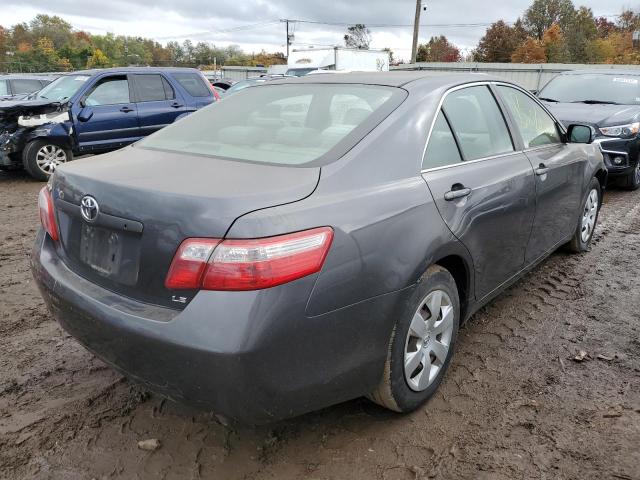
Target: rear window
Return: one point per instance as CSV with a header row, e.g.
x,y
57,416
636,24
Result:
x,y
193,84
25,86
298,125
153,88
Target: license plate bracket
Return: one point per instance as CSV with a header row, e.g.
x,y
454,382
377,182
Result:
x,y
101,249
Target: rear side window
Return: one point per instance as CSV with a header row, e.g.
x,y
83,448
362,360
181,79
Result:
x,y
3,88
477,123
442,149
536,126
25,86
193,84
152,88
281,124
109,91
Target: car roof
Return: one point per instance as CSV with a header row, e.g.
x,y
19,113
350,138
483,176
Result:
x,y
132,70
26,76
396,78
602,71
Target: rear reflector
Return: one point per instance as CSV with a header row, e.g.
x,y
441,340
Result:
x,y
248,264
47,215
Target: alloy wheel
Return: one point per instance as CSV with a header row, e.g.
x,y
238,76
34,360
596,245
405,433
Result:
x,y
428,340
637,173
589,215
49,157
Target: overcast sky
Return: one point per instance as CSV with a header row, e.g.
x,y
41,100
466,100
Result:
x,y
253,24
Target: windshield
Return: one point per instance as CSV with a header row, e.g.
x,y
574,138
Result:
x,y
281,124
62,88
242,85
593,88
300,72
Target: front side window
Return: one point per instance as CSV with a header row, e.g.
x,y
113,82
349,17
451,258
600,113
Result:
x,y
193,84
594,88
477,122
442,149
62,88
536,126
109,91
281,124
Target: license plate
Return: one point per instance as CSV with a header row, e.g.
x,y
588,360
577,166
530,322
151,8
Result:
x,y
101,249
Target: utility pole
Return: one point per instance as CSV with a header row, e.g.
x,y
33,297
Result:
x,y
416,27
289,35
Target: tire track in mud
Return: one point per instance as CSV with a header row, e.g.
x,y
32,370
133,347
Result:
x,y
513,405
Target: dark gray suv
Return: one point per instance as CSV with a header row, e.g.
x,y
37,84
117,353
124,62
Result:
x,y
308,241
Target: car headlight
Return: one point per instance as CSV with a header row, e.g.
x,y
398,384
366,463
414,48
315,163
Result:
x,y
621,131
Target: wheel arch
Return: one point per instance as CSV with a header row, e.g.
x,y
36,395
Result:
x,y
459,269
601,175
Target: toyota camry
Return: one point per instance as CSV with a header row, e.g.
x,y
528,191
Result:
x,y
309,241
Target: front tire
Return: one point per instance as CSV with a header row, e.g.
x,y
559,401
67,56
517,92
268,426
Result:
x,y
588,218
421,344
41,158
632,182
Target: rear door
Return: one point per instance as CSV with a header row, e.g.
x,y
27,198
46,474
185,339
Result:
x,y
106,118
559,171
482,184
157,101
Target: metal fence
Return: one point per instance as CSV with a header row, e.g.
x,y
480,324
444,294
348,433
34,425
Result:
x,y
530,76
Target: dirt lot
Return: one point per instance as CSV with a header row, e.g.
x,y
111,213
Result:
x,y
515,404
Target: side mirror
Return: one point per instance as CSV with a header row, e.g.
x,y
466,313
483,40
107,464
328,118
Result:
x,y
85,114
577,133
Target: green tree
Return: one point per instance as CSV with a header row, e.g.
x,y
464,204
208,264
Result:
x,y
581,32
358,36
438,49
54,28
543,13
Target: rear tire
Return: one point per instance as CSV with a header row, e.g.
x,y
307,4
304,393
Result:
x,y
41,157
416,349
632,181
588,218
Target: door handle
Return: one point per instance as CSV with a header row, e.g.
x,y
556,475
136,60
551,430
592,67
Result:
x,y
542,169
457,191
176,105
126,109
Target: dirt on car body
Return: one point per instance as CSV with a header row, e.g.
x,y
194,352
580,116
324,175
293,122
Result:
x,y
545,383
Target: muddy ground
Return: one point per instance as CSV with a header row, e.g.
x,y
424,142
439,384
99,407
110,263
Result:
x,y
514,405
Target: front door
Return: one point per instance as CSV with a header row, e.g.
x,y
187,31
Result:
x,y
158,103
559,172
483,188
106,118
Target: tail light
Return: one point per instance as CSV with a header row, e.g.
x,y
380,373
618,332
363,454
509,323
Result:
x,y
212,264
47,215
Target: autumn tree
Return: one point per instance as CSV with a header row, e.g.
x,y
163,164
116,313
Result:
x,y
531,51
554,45
542,14
438,49
98,60
605,27
499,42
358,36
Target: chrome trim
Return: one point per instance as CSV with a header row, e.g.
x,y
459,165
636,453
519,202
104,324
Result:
x,y
479,84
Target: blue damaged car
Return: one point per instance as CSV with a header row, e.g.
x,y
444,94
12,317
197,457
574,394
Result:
x,y
95,111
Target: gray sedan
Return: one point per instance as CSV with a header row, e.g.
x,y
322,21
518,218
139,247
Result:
x,y
309,241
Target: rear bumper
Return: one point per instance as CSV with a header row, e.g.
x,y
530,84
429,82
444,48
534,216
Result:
x,y
252,356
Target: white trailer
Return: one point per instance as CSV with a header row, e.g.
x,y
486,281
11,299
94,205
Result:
x,y
301,62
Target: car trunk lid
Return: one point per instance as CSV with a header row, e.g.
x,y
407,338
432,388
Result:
x,y
146,202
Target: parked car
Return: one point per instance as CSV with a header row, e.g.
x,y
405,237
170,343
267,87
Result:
x,y
250,82
609,100
95,111
18,86
262,266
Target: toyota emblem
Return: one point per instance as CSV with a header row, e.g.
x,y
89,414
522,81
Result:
x,y
89,208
